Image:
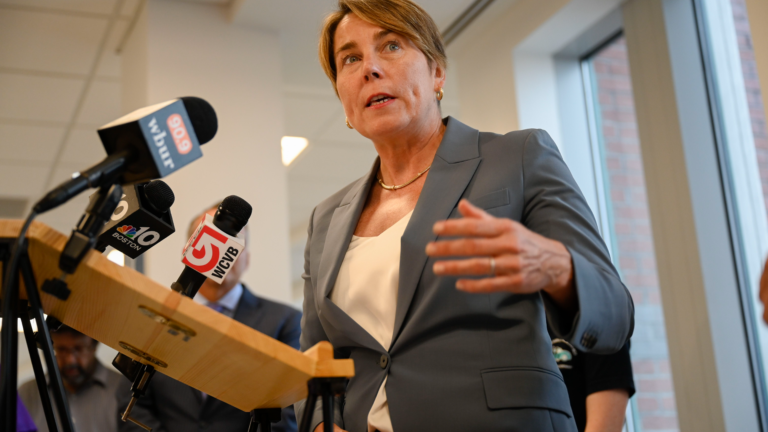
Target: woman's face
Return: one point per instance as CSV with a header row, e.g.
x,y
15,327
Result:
x,y
384,81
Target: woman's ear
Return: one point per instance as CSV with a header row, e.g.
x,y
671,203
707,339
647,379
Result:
x,y
439,77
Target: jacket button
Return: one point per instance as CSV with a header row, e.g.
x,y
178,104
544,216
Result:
x,y
588,340
383,361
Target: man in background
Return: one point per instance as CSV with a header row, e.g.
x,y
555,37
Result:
x,y
90,387
171,406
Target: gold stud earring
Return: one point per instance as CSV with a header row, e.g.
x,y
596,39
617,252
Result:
x,y
348,125
440,94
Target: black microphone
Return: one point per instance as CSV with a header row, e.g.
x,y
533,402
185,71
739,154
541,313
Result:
x,y
213,254
149,143
83,237
141,220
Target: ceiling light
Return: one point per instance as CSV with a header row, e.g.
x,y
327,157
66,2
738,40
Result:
x,y
116,257
292,147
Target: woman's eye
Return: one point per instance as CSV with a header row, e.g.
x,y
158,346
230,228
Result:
x,y
392,46
350,59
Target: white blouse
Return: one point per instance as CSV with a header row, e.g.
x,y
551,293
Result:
x,y
366,290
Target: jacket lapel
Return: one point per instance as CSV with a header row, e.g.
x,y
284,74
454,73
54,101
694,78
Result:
x,y
454,166
340,230
246,309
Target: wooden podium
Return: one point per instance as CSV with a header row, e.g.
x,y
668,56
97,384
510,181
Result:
x,y
182,339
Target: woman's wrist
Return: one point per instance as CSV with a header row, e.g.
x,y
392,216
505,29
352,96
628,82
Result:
x,y
559,270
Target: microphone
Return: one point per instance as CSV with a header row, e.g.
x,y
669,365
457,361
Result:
x,y
210,252
141,220
213,248
149,143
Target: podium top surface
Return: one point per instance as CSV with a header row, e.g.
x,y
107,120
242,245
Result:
x,y
182,339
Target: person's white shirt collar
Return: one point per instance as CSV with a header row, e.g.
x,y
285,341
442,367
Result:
x,y
229,301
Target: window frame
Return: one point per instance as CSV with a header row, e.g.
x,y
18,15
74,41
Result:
x,y
515,70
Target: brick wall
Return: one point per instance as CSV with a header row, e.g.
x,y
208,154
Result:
x,y
632,239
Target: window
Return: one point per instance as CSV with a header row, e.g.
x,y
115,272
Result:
x,y
739,116
626,227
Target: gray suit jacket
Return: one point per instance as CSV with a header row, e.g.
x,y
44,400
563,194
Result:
x,y
462,361
171,406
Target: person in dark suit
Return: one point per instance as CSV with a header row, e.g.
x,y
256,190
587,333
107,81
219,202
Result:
x,y
599,386
437,270
170,406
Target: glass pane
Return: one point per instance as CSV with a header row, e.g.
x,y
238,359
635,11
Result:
x,y
628,233
743,137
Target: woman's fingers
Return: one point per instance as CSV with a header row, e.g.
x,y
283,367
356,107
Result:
x,y
506,283
476,216
477,266
471,247
469,227
469,210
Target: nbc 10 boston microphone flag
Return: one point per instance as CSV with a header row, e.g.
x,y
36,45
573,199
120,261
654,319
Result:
x,y
137,224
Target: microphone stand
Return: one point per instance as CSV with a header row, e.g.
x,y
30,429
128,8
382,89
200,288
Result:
x,y
25,311
14,310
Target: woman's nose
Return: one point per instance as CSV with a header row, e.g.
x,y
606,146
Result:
x,y
372,70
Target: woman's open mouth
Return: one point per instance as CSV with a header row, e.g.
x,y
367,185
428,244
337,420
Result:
x,y
378,100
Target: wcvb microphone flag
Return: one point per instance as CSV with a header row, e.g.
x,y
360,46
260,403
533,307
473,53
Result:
x,y
210,251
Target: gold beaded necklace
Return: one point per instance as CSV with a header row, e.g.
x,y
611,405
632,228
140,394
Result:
x,y
396,187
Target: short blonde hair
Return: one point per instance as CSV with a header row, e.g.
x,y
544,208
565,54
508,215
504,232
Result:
x,y
400,16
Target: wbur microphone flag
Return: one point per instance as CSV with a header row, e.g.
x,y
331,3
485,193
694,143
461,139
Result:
x,y
210,251
146,144
166,128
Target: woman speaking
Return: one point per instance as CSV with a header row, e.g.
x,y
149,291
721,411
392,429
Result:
x,y
438,270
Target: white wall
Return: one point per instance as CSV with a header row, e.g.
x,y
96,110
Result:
x,y
484,65
182,49
510,78
537,93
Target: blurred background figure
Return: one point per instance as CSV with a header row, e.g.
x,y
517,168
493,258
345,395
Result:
x,y
24,421
599,386
90,386
171,406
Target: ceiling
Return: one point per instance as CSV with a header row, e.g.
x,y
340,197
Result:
x,y
59,81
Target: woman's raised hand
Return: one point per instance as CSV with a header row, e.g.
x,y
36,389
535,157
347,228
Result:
x,y
514,258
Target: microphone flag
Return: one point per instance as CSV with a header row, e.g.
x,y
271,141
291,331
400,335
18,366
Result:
x,y
135,227
166,128
210,251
